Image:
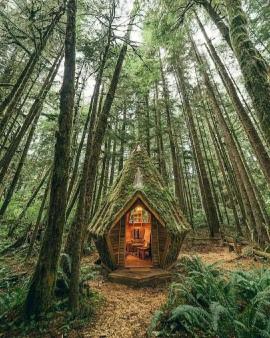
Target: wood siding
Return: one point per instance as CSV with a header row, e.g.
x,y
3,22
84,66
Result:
x,y
163,242
114,239
172,251
117,240
104,253
155,242
122,242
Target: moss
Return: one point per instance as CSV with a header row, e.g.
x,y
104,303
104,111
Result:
x,y
153,190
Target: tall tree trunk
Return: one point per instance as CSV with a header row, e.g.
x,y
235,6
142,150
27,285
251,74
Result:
x,y
253,136
236,159
102,177
232,190
160,144
254,69
176,170
41,290
208,167
107,166
218,20
207,197
112,172
79,226
122,139
186,180
147,126
79,150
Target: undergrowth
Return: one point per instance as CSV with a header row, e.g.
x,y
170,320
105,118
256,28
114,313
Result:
x,y
208,302
58,320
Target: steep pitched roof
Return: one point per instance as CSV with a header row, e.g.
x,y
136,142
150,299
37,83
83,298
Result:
x,y
139,179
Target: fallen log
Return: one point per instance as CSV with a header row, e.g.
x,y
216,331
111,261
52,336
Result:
x,y
261,254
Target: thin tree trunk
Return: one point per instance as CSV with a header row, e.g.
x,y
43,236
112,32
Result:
x,y
37,224
176,170
112,172
207,197
236,159
160,145
33,112
12,99
122,139
229,183
17,174
10,134
30,201
101,177
41,290
147,126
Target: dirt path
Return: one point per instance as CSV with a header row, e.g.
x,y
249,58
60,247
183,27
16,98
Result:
x,y
127,311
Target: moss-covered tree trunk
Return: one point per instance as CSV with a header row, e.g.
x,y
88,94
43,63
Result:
x,y
253,136
41,289
217,19
254,69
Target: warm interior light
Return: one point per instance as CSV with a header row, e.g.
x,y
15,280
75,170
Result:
x,y
139,208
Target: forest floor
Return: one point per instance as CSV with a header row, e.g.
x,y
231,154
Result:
x,y
126,311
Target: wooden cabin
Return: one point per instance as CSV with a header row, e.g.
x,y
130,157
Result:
x,y
139,224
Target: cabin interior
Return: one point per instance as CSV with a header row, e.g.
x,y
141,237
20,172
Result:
x,y
138,237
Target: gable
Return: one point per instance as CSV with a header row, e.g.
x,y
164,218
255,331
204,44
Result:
x,y
138,196
139,179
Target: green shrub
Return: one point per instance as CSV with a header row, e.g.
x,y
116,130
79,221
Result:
x,y
210,303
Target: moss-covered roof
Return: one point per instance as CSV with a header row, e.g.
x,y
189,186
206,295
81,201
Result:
x,y
139,177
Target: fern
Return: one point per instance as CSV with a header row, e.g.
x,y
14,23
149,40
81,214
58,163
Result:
x,y
188,317
210,303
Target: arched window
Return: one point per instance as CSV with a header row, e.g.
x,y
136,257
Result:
x,y
139,216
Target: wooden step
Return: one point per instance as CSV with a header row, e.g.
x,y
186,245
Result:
x,y
140,276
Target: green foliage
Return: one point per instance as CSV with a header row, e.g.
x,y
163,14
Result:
x,y
12,290
211,303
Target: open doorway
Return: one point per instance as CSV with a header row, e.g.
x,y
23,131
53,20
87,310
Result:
x,y
138,237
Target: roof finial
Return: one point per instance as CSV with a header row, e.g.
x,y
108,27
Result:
x,y
138,180
138,147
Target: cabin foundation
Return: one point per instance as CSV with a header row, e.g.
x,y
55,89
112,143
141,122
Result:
x,y
140,276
